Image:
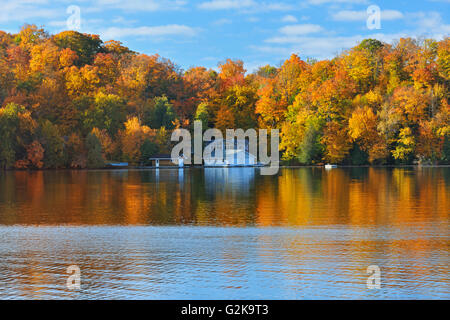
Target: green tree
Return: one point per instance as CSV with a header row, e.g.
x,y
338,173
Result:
x,y
310,148
372,45
53,143
202,114
446,150
267,71
86,46
161,114
108,112
148,149
94,152
9,122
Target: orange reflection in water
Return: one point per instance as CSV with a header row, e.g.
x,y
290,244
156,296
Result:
x,y
333,225
234,196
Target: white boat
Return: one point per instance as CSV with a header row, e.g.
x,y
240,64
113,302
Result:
x,y
330,166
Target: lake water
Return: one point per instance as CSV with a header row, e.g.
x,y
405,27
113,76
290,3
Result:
x,y
229,233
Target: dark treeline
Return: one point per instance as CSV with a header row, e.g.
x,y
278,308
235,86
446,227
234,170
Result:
x,y
71,100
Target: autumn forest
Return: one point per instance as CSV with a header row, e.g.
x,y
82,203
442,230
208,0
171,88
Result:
x,y
71,100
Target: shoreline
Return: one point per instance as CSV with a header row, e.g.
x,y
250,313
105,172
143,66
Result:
x,y
134,168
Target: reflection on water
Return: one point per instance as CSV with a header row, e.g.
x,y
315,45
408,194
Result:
x,y
233,196
225,233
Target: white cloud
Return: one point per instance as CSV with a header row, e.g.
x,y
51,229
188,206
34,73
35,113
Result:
x,y
319,47
86,24
275,6
222,22
294,33
226,4
138,5
326,45
25,11
348,15
246,6
300,29
156,31
58,23
319,2
253,19
123,21
429,24
289,18
253,66
391,15
36,11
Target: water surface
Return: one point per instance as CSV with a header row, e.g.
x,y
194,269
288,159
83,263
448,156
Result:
x,y
229,233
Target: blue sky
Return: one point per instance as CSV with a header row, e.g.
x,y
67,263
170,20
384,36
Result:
x,y
204,32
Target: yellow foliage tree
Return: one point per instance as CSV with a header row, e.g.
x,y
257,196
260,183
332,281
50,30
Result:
x,y
363,129
336,141
132,138
405,144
